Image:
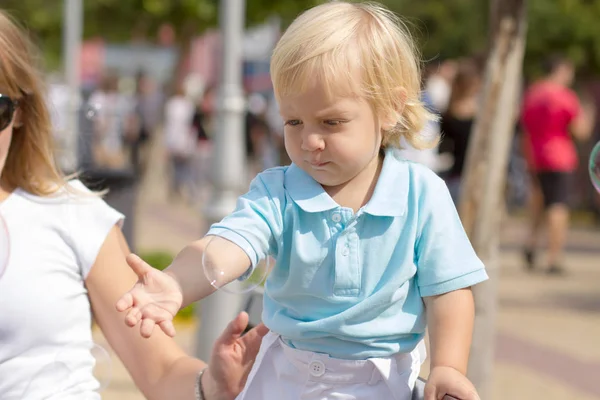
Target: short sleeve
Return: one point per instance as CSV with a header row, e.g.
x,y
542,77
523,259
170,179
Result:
x,y
90,221
572,104
445,259
256,223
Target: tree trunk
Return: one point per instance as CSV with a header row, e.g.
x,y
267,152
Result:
x,y
485,173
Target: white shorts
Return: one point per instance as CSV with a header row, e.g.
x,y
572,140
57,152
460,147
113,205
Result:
x,y
283,373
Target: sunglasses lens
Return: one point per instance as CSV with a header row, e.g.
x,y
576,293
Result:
x,y
7,110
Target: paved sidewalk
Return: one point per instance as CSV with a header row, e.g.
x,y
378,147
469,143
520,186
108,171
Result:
x,y
548,328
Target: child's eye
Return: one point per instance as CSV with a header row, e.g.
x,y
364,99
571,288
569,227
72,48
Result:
x,y
334,122
293,122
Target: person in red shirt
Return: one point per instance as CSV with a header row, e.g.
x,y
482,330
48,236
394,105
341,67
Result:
x,y
552,117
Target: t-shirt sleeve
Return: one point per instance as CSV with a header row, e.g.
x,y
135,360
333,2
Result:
x,y
572,105
445,259
256,223
91,219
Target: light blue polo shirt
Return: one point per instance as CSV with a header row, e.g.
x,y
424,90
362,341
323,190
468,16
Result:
x,y
351,284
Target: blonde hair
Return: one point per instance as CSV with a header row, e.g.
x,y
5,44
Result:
x,y
330,41
30,164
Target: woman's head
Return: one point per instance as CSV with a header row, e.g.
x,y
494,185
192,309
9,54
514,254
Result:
x,y
357,50
26,143
466,83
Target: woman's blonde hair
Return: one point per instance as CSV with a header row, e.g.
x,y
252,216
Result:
x,y
30,164
330,41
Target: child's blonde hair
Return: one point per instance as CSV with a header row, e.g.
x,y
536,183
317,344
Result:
x,y
330,41
30,164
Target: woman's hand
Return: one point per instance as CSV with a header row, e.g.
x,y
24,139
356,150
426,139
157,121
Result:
x,y
232,359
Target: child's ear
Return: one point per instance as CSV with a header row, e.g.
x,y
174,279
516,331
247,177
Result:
x,y
399,97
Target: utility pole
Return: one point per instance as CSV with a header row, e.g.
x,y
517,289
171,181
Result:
x,y
72,38
485,173
228,165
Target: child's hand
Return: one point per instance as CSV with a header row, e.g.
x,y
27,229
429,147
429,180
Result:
x,y
444,381
155,299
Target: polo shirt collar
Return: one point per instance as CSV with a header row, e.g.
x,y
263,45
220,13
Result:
x,y
389,198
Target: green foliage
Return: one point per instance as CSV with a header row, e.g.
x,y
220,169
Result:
x,y
259,10
114,20
161,260
568,27
443,28
157,259
455,28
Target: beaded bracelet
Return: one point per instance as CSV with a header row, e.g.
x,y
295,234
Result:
x,y
199,389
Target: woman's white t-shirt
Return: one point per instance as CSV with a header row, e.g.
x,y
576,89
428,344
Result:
x,y
45,314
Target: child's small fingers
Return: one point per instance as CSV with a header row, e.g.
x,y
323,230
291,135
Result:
x,y
125,302
147,327
156,313
133,316
161,317
167,327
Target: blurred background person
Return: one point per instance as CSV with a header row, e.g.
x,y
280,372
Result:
x,y
275,123
439,83
457,121
202,126
428,157
110,123
148,105
180,142
259,152
552,116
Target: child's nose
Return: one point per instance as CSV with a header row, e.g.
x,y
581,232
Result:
x,y
312,141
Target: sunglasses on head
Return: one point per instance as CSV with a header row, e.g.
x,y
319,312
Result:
x,y
8,107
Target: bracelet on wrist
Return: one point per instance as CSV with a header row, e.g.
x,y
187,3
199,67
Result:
x,y
199,388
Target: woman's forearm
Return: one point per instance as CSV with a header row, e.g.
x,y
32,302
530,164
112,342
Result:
x,y
177,382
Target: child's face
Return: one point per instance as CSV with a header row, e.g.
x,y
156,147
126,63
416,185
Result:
x,y
332,139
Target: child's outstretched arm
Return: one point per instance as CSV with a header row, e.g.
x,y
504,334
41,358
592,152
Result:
x,y
157,296
237,243
450,319
187,267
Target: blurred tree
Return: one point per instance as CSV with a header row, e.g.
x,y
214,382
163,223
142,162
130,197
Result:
x,y
459,28
114,20
481,202
564,26
259,10
140,20
443,28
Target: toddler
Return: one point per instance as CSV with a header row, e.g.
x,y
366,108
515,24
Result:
x,y
369,248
